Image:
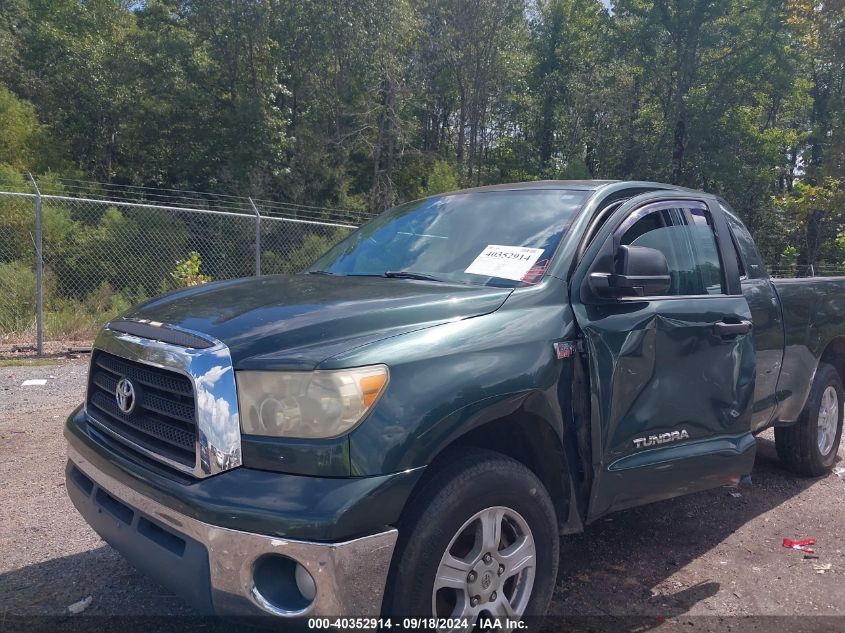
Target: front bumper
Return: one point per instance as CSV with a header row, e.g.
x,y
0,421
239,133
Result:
x,y
213,567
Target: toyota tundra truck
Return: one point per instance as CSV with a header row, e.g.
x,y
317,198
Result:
x,y
409,426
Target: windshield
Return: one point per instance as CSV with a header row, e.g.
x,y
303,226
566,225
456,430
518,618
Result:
x,y
498,238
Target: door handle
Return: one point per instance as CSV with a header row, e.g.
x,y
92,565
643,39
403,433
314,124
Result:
x,y
723,328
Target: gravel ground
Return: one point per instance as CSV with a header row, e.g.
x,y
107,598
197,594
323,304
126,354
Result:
x,y
25,349
709,554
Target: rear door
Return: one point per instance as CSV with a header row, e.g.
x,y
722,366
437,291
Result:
x,y
769,342
672,376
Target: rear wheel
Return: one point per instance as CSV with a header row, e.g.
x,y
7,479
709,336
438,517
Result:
x,y
810,446
479,540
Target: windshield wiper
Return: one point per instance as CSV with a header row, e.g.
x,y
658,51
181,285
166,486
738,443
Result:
x,y
407,274
320,272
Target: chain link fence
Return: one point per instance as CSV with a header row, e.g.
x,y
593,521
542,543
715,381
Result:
x,y
105,247
103,253
802,270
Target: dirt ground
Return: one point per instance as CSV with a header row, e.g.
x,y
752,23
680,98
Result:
x,y
710,554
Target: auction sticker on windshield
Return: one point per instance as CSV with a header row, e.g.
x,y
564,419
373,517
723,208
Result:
x,y
507,262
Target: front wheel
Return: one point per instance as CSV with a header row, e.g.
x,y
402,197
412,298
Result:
x,y
479,540
809,446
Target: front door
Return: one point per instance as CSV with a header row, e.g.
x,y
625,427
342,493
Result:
x,y
672,374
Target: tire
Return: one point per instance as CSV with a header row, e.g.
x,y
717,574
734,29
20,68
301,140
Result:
x,y
471,489
801,446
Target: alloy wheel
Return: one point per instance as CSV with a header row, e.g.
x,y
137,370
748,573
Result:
x,y
828,420
488,568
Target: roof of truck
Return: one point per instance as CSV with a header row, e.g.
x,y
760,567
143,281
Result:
x,y
578,185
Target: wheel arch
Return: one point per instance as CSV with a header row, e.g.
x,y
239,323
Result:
x,y
834,355
531,439
801,365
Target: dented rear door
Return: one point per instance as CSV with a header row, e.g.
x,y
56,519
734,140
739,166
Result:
x,y
672,387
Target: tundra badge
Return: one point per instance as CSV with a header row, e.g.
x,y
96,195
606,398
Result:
x,y
663,438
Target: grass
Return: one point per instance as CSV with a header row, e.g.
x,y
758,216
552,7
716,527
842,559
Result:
x,y
73,323
70,322
28,362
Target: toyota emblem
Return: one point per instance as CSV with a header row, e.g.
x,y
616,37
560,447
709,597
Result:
x,y
124,393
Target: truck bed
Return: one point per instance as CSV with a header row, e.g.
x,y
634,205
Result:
x,y
813,311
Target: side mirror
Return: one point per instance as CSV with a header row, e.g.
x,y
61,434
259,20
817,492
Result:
x,y
639,271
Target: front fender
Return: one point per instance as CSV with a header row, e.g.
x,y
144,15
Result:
x,y
492,381
447,380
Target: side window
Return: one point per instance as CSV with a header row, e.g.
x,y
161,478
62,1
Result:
x,y
750,262
686,239
706,251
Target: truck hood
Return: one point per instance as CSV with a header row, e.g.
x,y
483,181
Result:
x,y
297,321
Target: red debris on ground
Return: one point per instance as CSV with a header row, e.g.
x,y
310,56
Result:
x,y
801,545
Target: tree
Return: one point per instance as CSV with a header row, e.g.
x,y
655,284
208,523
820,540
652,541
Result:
x,y
366,103
820,36
441,179
814,215
25,143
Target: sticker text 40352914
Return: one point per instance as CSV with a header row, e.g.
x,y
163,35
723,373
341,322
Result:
x,y
507,262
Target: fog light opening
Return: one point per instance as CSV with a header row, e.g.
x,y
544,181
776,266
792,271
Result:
x,y
281,585
305,583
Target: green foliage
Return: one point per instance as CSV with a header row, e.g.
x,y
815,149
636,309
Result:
x,y
789,258
19,131
812,216
187,272
298,259
114,248
25,143
17,309
366,103
64,317
355,103
441,179
71,319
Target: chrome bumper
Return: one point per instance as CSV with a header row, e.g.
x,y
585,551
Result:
x,y
349,576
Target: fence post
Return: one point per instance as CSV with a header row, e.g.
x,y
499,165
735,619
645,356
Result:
x,y
39,272
257,239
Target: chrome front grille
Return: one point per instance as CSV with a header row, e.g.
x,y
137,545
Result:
x,y
184,403
163,419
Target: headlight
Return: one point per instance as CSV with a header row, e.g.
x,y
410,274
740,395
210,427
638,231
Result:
x,y
307,404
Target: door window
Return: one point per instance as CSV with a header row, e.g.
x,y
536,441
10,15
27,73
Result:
x,y
686,239
750,261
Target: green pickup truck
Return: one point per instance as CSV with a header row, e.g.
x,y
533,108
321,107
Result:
x,y
406,428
